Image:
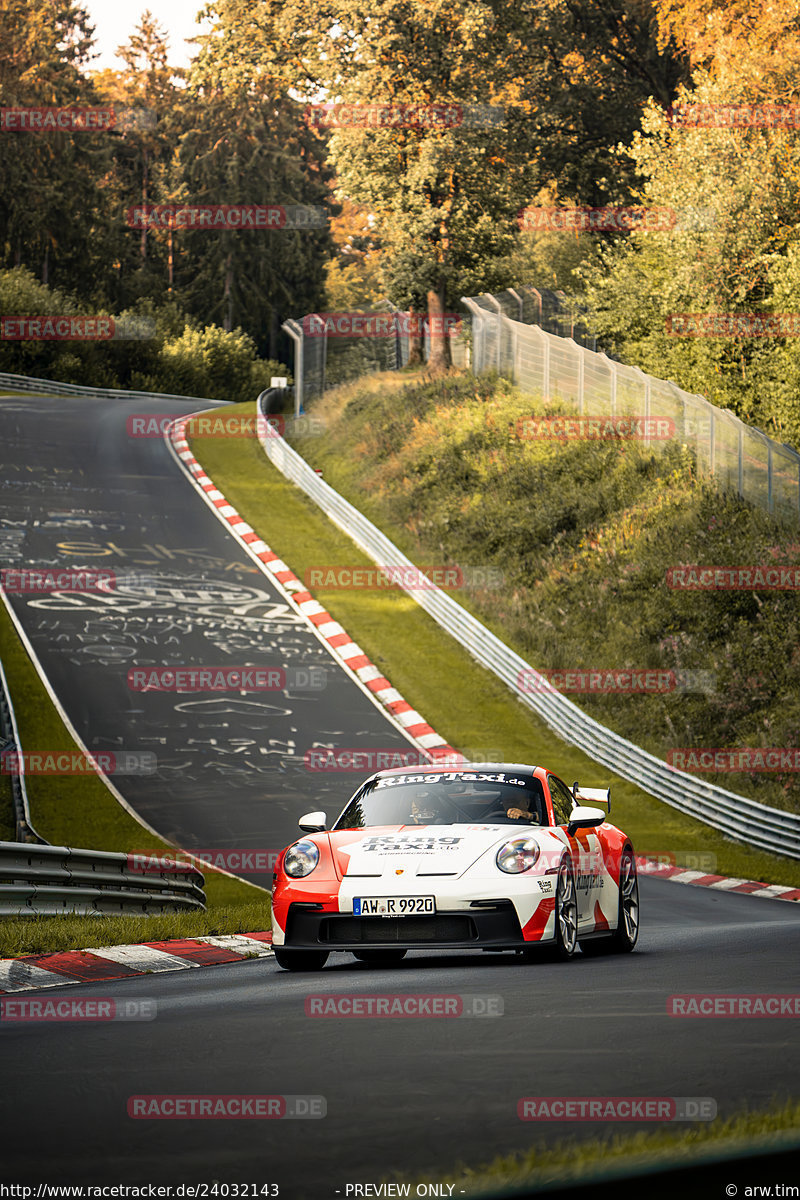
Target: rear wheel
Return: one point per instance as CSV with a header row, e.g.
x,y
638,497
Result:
x,y
566,912
301,960
380,958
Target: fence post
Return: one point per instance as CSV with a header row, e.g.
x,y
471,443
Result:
x,y
538,297
497,315
545,364
581,378
740,432
518,298
478,324
770,501
295,332
646,413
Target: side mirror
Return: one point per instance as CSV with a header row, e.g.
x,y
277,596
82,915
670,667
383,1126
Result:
x,y
585,818
313,822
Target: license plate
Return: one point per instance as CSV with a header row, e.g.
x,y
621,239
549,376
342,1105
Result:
x,y
393,906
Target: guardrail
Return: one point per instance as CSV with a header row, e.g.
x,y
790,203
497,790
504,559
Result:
x,y
26,383
737,816
58,879
9,741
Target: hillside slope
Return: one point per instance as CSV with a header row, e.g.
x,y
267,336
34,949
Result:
x,y
584,533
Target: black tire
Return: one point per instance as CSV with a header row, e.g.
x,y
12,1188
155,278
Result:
x,y
380,958
566,913
624,937
301,960
626,934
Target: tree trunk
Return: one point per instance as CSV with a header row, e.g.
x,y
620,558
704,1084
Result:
x,y
274,350
227,323
143,240
440,359
415,342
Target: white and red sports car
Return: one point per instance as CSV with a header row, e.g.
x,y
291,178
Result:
x,y
485,857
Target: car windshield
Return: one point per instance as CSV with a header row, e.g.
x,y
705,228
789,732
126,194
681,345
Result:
x,y
447,798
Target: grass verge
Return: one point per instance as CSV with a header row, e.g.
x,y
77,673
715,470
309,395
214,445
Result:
x,y
465,703
82,812
574,1161
47,935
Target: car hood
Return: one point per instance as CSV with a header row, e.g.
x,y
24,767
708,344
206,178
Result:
x,y
421,850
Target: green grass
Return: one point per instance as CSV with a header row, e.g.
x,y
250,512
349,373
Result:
x,y
46,935
82,812
573,1161
466,704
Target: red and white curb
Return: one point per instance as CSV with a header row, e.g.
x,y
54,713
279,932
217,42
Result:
x,y
353,658
35,971
348,652
721,883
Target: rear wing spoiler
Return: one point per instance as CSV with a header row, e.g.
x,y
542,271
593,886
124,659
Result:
x,y
593,795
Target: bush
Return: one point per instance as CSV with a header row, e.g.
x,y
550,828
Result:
x,y
169,355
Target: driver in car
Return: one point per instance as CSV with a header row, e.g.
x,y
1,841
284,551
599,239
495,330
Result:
x,y
423,809
517,814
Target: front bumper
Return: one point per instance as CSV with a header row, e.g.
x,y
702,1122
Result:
x,y
494,926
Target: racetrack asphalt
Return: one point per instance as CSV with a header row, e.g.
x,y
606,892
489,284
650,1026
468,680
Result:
x,y
77,490
402,1094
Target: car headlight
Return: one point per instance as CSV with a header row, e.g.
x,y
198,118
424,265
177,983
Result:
x,y
518,855
300,859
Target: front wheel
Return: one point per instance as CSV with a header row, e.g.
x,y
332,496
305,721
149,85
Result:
x,y
301,960
566,912
627,932
380,958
